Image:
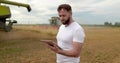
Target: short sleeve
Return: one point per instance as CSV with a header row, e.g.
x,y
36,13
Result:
x,y
78,35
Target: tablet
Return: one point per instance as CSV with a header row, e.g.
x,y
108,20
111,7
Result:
x,y
49,42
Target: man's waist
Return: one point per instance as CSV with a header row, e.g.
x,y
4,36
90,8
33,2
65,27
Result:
x,y
62,58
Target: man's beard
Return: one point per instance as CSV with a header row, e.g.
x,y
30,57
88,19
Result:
x,y
66,22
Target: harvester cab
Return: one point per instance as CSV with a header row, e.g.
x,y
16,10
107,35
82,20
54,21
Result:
x,y
5,14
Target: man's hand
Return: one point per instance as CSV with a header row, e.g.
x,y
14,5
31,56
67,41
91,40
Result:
x,y
55,48
52,45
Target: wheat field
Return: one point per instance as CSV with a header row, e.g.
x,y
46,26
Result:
x,y
22,45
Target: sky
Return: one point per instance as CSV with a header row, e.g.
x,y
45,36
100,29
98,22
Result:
x,y
84,11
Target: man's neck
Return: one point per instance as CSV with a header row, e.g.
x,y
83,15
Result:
x,y
71,20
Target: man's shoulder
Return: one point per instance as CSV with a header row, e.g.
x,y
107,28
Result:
x,y
77,26
61,26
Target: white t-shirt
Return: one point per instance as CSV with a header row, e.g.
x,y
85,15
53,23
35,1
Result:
x,y
65,37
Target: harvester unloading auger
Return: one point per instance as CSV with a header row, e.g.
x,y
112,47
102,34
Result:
x,y
5,13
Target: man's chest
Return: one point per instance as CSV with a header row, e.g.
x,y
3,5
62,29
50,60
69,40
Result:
x,y
65,35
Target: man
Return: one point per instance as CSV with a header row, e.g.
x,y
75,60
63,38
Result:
x,y
70,37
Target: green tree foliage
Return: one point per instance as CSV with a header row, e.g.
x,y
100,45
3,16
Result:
x,y
108,23
117,23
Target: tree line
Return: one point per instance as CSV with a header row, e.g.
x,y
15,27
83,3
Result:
x,y
117,24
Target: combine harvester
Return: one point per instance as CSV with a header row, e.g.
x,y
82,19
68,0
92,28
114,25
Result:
x,y
5,14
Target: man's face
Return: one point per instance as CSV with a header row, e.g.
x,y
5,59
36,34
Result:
x,y
64,16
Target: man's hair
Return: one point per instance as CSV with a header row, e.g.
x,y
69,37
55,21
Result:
x,y
66,7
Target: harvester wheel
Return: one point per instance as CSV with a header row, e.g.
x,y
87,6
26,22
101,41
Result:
x,y
8,28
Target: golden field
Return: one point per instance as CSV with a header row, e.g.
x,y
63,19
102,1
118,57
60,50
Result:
x,y
22,45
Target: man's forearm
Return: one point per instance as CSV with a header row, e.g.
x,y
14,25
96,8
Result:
x,y
75,52
70,53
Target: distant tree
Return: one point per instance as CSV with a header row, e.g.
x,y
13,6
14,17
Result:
x,y
117,23
108,24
